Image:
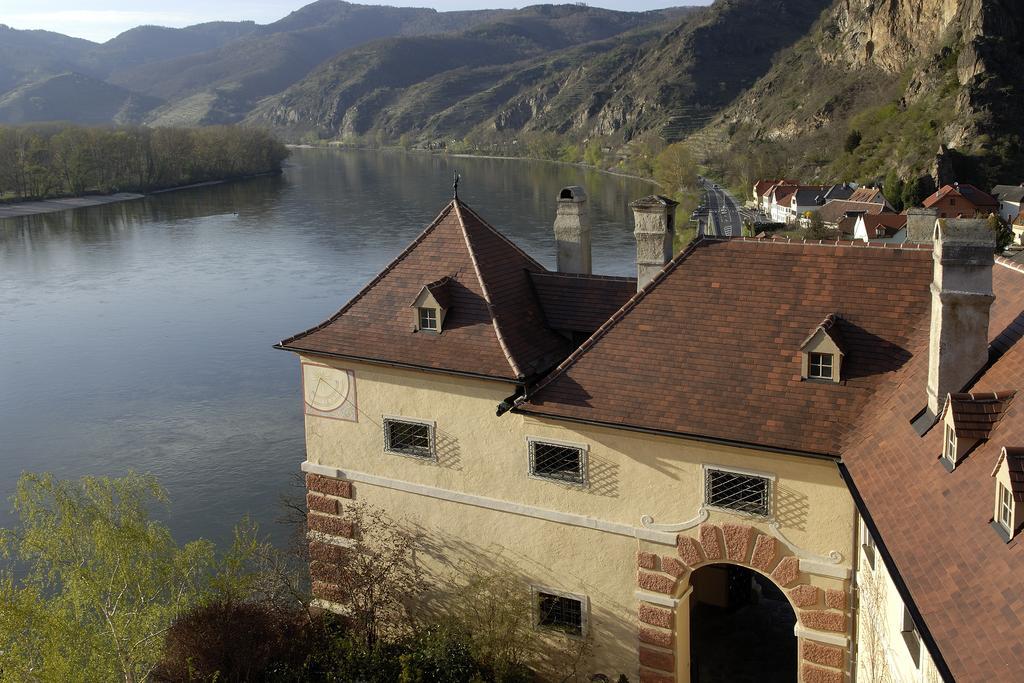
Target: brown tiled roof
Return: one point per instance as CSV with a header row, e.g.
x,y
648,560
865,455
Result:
x,y
440,291
765,186
836,209
980,199
711,347
494,328
885,224
580,303
974,415
934,524
867,194
830,326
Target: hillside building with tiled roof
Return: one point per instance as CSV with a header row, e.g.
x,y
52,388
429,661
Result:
x,y
758,460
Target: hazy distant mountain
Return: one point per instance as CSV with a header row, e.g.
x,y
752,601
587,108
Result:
x,y
73,97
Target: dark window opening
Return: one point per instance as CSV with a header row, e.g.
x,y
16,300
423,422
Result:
x,y
733,491
560,613
557,462
409,438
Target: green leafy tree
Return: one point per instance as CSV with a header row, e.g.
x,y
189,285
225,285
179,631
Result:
x,y
675,168
816,230
1002,231
98,582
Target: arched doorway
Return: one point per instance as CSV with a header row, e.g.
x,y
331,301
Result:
x,y
741,627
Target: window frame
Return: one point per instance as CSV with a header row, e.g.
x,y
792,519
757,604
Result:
x,y
1005,507
584,465
831,365
868,547
911,637
949,443
535,595
432,314
769,479
431,426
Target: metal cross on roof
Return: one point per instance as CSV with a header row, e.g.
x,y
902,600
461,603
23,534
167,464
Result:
x,y
455,185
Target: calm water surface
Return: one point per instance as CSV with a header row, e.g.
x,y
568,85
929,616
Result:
x,y
138,335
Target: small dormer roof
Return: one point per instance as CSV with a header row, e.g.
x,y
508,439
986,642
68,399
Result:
x,y
976,414
439,289
1014,457
830,327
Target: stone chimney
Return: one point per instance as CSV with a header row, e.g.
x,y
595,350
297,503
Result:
x,y
921,224
961,297
572,231
654,219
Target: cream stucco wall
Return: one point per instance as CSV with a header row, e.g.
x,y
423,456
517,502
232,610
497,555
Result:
x,y
630,475
883,655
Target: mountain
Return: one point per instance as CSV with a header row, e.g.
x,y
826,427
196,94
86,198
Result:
x,y
73,97
26,55
912,92
410,85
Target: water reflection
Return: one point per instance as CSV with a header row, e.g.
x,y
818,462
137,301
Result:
x,y
138,335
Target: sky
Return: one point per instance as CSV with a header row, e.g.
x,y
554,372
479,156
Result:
x,y
100,20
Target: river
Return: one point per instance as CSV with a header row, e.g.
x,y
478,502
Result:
x,y
138,335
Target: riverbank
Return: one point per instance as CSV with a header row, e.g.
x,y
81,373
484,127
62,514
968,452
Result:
x,y
38,206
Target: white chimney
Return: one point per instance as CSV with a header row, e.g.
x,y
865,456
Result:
x,y
572,231
961,298
654,220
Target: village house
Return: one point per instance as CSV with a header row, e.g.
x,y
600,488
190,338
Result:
x,y
961,200
834,213
1009,198
1017,227
882,227
823,431
786,201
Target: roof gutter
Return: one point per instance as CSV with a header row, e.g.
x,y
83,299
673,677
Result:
x,y
897,578
685,435
397,364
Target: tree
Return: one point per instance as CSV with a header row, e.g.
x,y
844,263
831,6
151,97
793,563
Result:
x,y
378,575
1002,231
852,141
675,168
98,582
816,230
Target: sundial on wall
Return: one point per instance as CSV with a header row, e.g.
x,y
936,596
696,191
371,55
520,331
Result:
x,y
329,392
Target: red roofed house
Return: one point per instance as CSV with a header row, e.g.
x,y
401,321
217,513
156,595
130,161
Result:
x,y
880,227
961,200
758,460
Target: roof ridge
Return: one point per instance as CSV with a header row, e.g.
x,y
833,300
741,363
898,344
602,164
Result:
x,y
846,244
462,205
377,278
587,276
483,288
617,316
1008,263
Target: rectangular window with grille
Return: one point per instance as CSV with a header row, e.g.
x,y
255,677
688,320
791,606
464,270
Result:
x,y
950,443
559,612
819,366
428,319
558,462
745,493
407,437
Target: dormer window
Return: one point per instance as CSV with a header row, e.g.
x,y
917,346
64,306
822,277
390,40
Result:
x,y
819,366
1009,476
821,354
967,420
949,444
428,319
431,306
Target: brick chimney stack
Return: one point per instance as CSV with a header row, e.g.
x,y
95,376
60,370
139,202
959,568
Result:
x,y
654,220
572,231
961,298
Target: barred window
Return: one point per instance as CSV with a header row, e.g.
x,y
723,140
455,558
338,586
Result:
x,y
558,462
409,438
819,366
559,613
741,492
